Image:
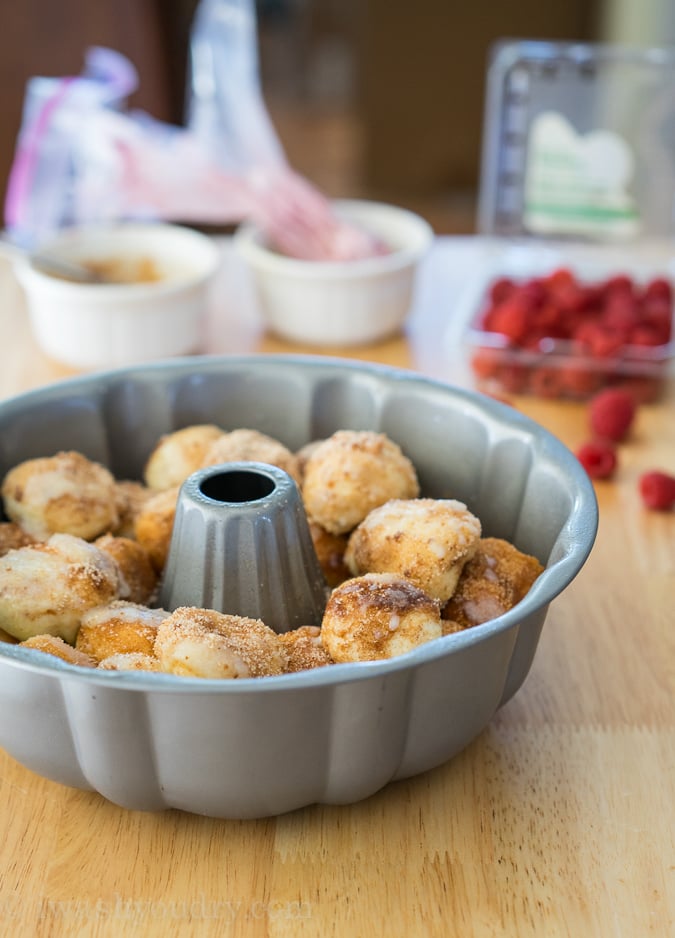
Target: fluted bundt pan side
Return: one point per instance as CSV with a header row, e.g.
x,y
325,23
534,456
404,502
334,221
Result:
x,y
259,747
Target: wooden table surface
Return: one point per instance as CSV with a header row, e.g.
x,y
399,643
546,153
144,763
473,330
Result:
x,y
558,820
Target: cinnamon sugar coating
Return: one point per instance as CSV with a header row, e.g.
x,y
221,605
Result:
x,y
492,582
403,569
154,526
130,497
177,455
195,642
135,565
54,645
119,627
425,540
304,648
378,615
129,661
330,551
302,456
251,446
13,536
46,588
350,474
66,493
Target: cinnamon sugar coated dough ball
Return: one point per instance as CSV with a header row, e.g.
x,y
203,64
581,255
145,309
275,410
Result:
x,y
352,472
135,565
425,540
130,497
66,493
302,456
330,551
204,643
53,645
47,588
154,526
13,536
304,648
118,628
449,626
177,455
129,661
493,581
379,615
252,446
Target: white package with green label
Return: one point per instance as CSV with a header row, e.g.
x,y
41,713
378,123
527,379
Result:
x,y
579,141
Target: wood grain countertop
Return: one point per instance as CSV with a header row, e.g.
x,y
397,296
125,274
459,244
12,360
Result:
x,y
558,821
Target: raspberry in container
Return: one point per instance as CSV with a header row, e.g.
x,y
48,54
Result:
x,y
565,323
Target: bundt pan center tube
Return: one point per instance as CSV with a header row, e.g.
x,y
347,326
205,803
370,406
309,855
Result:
x,y
241,544
256,747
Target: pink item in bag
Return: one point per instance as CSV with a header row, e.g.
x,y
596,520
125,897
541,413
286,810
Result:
x,y
82,158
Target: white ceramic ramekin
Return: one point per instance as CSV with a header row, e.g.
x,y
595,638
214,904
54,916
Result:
x,y
103,325
340,303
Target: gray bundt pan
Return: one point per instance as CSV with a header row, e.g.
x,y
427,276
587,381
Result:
x,y
260,747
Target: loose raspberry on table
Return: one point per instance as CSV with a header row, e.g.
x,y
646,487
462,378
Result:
x,y
611,413
598,457
657,490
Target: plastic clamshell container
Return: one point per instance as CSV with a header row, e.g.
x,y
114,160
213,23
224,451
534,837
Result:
x,y
561,368
577,141
259,747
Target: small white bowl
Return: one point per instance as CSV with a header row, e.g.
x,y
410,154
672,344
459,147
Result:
x,y
104,325
340,302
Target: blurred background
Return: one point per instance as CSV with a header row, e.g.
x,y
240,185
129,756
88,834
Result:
x,y
370,98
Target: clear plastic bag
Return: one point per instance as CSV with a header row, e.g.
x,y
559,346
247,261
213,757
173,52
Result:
x,y
42,193
82,157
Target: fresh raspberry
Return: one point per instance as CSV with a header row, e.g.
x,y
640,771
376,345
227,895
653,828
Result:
x,y
620,284
560,278
500,289
598,457
657,490
604,322
647,336
511,318
611,413
550,321
597,340
592,297
659,287
657,312
533,291
620,314
606,342
569,298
